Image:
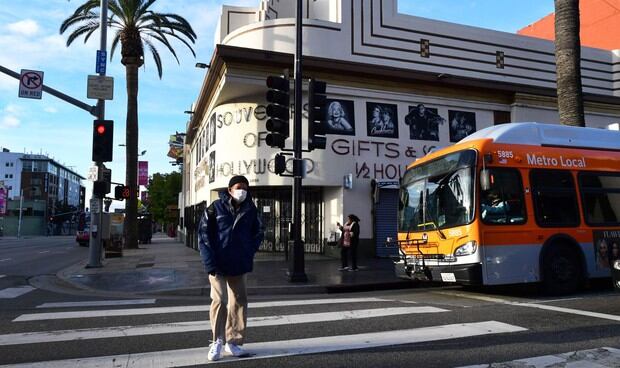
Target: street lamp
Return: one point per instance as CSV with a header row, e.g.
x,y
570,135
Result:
x,y
141,153
203,65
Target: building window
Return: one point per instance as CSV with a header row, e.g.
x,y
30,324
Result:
x,y
501,117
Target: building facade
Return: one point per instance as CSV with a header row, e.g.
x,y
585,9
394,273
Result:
x,y
599,25
48,188
398,87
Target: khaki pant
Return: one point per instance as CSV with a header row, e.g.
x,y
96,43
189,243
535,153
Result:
x,y
229,308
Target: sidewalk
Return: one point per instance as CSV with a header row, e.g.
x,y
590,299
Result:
x,y
167,267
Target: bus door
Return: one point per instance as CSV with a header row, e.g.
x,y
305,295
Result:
x,y
506,241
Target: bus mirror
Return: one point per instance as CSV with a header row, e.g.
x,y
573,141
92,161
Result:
x,y
485,179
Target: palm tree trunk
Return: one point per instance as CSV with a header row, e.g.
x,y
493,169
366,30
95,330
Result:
x,y
131,174
568,63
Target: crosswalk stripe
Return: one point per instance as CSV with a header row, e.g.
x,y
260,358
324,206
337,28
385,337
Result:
x,y
181,309
611,317
184,327
10,293
589,359
98,303
272,349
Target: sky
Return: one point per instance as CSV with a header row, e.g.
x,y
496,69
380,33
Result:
x,y
30,39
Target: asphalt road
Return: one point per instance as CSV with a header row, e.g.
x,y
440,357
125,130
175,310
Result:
x,y
435,327
39,255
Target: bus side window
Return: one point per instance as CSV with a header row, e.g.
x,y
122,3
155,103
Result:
x,y
503,202
555,203
600,196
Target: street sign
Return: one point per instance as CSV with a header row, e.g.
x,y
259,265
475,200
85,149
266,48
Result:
x,y
31,84
100,87
93,173
94,208
100,62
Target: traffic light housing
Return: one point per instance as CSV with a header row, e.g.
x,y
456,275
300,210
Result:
x,y
101,188
103,134
121,192
278,111
279,164
317,101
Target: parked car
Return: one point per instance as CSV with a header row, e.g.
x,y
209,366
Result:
x,y
83,237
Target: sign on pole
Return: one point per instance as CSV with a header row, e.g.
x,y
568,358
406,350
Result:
x,y
93,173
143,173
101,62
100,87
2,200
31,84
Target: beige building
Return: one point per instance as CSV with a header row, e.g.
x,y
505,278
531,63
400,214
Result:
x,y
399,86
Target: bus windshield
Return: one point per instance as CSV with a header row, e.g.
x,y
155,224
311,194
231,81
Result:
x,y
438,194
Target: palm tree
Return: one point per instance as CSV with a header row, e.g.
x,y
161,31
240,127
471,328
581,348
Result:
x,y
568,63
136,26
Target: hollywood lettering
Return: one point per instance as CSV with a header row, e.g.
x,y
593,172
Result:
x,y
256,167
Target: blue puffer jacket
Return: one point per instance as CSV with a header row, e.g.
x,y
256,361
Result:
x,y
229,240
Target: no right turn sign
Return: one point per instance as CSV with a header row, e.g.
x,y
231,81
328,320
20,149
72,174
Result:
x,y
31,84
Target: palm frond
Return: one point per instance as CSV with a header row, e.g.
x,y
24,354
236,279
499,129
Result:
x,y
87,6
162,38
77,18
182,21
156,57
180,39
114,45
80,31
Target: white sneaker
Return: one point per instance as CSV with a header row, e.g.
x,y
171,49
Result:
x,y
235,350
215,352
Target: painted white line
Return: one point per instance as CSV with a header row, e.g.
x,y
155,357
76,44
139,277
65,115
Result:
x,y
272,349
10,293
182,309
45,251
539,305
1,276
184,327
611,317
5,259
588,359
100,303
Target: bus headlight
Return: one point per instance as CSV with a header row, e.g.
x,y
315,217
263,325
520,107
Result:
x,y
466,249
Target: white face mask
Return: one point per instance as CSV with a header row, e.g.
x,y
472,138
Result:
x,y
239,195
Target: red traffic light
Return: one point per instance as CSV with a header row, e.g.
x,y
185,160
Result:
x,y
100,129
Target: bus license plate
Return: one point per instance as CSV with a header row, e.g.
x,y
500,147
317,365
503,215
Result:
x,y
448,277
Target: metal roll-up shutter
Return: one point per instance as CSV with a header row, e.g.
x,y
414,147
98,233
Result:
x,y
386,214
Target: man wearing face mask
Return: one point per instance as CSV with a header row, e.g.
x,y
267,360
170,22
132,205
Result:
x,y
229,235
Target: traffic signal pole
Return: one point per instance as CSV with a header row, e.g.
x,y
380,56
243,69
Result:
x,y
95,243
296,267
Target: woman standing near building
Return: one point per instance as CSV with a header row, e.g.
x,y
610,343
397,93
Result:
x,y
350,240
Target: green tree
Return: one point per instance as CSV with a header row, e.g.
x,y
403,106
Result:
x,y
136,27
163,191
568,63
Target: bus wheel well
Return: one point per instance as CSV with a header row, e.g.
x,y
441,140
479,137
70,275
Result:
x,y
562,265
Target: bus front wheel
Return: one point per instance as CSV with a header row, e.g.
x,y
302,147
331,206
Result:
x,y
562,271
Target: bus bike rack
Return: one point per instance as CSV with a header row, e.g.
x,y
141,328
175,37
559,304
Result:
x,y
414,270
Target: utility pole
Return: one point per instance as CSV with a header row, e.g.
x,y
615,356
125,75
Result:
x,y
296,267
95,242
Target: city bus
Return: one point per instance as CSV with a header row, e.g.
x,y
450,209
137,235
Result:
x,y
513,203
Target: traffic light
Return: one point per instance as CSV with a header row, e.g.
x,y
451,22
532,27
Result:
x,y
101,188
278,111
316,115
121,192
103,134
279,164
